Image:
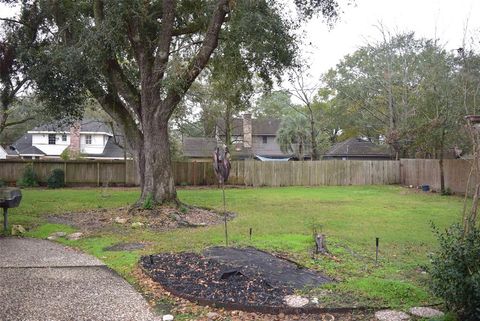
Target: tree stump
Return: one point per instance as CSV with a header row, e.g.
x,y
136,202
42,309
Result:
x,y
320,244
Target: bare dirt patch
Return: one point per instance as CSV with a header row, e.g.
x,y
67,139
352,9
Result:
x,y
162,218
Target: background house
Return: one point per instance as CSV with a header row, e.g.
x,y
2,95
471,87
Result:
x,y
250,138
359,149
3,153
91,139
199,149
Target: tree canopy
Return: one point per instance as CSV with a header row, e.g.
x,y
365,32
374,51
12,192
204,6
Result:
x,y
403,89
138,59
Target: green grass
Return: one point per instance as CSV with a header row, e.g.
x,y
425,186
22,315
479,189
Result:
x,y
282,220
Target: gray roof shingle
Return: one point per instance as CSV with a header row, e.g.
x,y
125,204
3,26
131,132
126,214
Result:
x,y
260,127
32,150
87,125
199,146
359,147
111,150
20,145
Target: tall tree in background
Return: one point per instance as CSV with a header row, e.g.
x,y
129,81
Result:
x,y
379,87
438,120
306,93
294,136
275,104
138,59
410,91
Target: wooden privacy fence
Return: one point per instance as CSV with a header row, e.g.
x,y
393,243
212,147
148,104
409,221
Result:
x,y
77,172
427,172
317,173
254,173
251,173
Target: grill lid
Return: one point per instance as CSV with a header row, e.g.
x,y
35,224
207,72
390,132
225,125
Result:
x,y
9,193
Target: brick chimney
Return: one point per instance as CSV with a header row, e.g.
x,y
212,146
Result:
x,y
75,139
247,131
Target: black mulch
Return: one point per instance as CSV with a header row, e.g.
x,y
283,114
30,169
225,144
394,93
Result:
x,y
278,271
250,282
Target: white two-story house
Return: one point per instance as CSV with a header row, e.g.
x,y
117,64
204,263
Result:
x,y
90,138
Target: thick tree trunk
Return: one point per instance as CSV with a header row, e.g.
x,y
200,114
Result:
x,y
144,113
155,167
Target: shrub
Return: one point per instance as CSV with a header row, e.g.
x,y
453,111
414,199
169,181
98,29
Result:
x,y
447,192
56,179
455,271
65,155
2,183
29,178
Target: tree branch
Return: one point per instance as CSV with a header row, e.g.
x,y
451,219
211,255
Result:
x,y
120,113
18,122
114,73
201,59
17,22
17,88
187,30
164,40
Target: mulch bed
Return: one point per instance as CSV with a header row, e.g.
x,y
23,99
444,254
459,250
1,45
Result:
x,y
245,279
162,218
158,295
277,270
196,276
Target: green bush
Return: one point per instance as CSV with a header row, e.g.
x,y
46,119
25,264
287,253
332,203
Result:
x,y
29,178
56,179
65,155
2,183
447,192
455,271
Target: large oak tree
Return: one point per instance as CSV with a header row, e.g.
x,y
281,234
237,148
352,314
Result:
x,y
139,58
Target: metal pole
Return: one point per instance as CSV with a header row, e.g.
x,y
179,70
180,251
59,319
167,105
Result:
x,y
5,220
376,250
225,214
250,234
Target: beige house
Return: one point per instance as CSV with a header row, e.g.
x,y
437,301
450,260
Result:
x,y
251,138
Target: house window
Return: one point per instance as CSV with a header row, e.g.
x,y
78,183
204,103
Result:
x,y
64,137
52,139
265,139
88,139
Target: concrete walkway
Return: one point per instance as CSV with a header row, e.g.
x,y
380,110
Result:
x,y
42,280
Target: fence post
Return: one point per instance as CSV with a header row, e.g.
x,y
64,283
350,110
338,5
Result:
x,y
98,173
194,173
125,172
65,173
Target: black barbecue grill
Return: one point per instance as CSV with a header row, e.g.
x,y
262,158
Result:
x,y
9,197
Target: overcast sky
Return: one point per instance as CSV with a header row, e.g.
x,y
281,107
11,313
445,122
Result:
x,y
445,20
442,19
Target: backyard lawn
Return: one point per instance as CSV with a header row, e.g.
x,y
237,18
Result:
x,y
283,220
